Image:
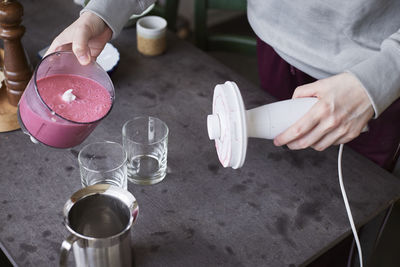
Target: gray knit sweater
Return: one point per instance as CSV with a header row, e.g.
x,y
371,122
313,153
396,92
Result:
x,y
117,12
319,37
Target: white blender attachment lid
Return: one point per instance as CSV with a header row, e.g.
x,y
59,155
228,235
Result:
x,y
227,125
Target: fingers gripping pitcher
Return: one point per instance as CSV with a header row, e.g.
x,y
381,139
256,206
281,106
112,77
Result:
x,y
64,101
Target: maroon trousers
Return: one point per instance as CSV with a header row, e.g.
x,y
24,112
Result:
x,y
380,144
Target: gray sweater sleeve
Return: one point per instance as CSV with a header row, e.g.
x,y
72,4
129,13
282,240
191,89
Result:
x,y
380,74
117,12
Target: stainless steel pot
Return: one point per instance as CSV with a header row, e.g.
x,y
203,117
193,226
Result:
x,y
99,218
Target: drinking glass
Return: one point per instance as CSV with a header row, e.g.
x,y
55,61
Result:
x,y
145,140
103,163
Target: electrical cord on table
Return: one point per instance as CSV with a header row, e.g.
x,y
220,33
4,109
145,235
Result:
x,y
346,203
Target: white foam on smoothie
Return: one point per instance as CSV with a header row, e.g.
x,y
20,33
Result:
x,y
68,96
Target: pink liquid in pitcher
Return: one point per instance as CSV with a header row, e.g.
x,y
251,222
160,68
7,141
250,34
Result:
x,y
67,124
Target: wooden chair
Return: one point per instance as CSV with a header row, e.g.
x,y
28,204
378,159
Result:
x,y
221,41
169,11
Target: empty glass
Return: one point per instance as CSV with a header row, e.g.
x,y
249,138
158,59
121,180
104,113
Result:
x,y
103,163
145,140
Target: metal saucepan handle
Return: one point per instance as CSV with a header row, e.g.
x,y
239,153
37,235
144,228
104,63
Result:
x,y
65,248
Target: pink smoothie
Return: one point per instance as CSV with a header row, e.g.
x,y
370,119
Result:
x,y
92,100
92,103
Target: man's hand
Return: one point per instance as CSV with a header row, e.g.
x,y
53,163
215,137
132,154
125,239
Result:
x,y
342,111
87,37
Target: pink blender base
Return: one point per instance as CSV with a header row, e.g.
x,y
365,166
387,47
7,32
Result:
x,y
227,125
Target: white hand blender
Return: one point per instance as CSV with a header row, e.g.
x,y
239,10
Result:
x,y
230,124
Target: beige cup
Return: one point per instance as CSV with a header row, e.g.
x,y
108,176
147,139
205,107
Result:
x,y
151,35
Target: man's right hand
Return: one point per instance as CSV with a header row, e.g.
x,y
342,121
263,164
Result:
x,y
87,37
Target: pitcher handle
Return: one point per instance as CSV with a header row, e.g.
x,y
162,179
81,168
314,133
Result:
x,y
65,249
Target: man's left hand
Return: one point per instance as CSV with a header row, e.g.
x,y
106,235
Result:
x,y
342,111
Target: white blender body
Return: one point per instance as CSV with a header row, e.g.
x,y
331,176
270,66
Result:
x,y
230,124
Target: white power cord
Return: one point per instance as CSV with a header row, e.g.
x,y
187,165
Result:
x,y
346,203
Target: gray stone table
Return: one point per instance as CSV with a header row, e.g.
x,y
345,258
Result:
x,y
283,208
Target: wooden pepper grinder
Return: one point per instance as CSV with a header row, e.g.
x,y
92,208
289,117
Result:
x,y
16,68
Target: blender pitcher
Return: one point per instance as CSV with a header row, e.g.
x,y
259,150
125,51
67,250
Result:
x,y
51,111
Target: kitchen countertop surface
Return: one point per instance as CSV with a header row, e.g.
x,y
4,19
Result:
x,y
282,208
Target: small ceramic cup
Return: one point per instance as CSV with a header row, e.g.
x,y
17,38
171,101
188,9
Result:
x,y
151,35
